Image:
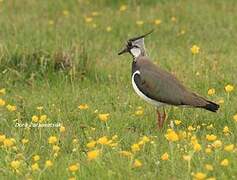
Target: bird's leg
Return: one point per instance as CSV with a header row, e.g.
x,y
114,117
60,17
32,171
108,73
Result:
x,y
164,115
160,118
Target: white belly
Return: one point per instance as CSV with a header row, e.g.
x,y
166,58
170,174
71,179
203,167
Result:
x,y
143,96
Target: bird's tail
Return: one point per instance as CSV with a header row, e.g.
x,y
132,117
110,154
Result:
x,y
211,106
200,102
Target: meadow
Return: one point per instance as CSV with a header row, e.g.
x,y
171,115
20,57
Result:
x,y
59,68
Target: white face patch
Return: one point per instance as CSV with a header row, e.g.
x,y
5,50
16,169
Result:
x,y
135,52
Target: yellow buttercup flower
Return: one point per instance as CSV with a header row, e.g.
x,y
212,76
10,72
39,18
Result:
x,y
56,148
182,32
39,108
11,108
95,13
48,163
197,147
235,117
55,155
73,167
51,22
229,88
182,135
199,176
83,106
113,144
135,148
211,92
145,139
93,129
209,167
2,91
139,23
43,118
217,144
194,140
208,150
229,148
157,22
62,129
52,139
91,155
209,127
171,135
75,141
221,101
24,141
224,162
35,118
139,112
88,19
123,8
226,130
103,117
114,137
191,128
103,140
91,144
140,143
211,137
177,122
165,156
36,157
109,28
125,153
8,142
2,102
139,107
195,49
72,178
137,163
173,19
15,164
187,157
2,137
35,167
65,12
211,178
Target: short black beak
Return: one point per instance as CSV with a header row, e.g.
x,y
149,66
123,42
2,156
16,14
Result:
x,y
123,51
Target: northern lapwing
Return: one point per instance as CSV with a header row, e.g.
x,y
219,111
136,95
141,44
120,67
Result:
x,y
157,86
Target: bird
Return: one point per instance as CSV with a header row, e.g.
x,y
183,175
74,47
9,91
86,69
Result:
x,y
157,86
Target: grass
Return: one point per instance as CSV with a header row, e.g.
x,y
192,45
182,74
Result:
x,y
51,57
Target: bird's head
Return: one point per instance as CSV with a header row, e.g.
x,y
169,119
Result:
x,y
135,46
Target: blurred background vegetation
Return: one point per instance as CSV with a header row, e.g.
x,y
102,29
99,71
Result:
x,y
35,35
60,54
